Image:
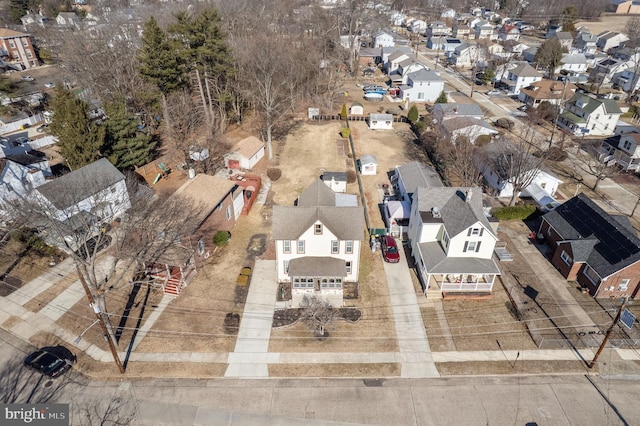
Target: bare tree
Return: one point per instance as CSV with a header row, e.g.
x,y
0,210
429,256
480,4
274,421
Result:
x,y
514,161
590,161
317,314
458,158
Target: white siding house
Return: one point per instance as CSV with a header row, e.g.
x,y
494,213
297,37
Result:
x,y
318,243
521,76
422,86
586,115
451,241
19,175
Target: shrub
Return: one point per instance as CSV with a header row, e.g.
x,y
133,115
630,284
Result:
x,y
274,173
554,154
343,114
351,176
221,238
420,126
482,140
514,212
442,99
413,115
505,123
345,132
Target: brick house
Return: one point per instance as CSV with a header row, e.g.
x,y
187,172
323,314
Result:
x,y
16,48
598,250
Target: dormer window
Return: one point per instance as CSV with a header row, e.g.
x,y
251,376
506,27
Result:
x,y
317,230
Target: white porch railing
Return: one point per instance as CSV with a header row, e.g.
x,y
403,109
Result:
x,y
466,286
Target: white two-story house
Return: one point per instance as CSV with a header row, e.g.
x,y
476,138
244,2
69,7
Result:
x,y
586,115
451,240
521,76
622,149
318,243
84,198
422,86
20,174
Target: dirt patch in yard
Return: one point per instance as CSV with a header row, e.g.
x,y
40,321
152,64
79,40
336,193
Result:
x,y
334,370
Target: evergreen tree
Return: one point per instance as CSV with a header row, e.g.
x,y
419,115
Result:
x,y
343,113
204,50
79,138
413,114
160,63
442,99
126,147
549,55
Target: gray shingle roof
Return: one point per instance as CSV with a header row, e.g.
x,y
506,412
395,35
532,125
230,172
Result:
x,y
415,175
80,184
437,262
525,70
581,219
459,110
318,203
368,159
317,267
337,176
464,122
425,75
457,214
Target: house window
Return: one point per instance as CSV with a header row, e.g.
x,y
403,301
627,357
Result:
x,y
348,267
285,266
300,246
25,42
470,246
445,239
421,95
335,247
286,246
624,285
566,258
12,44
29,55
591,274
627,145
475,231
317,229
348,247
549,231
228,212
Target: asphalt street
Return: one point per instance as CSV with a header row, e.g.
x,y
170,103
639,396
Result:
x,y
517,399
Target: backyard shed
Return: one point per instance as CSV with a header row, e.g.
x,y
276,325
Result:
x,y
380,121
337,181
245,154
368,165
356,109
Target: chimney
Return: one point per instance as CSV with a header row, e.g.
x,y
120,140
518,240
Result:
x,y
468,195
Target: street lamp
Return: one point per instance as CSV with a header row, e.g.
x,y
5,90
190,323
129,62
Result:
x,y
77,339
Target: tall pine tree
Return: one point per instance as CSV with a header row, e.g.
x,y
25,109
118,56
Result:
x,y
79,138
160,63
126,147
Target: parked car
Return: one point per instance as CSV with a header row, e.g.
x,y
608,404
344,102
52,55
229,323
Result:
x,y
27,78
505,123
390,251
52,361
492,92
22,140
43,128
49,85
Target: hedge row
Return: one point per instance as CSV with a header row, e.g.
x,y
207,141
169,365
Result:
x,y
514,212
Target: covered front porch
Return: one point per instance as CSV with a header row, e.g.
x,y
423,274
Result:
x,y
319,276
461,282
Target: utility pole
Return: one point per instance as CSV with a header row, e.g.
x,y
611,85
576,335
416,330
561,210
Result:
x,y
555,122
100,319
609,331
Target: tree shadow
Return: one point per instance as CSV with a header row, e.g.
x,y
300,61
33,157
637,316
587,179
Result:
x,y
127,310
104,411
137,327
19,385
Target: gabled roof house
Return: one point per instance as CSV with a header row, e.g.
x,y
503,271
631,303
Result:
x,y
318,244
598,250
452,242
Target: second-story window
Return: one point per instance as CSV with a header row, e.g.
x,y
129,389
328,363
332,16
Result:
x,y
317,229
348,247
286,246
335,247
300,246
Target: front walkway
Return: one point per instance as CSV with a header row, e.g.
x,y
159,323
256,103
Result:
x,y
415,354
250,357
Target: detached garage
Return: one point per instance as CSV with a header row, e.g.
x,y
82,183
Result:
x,y
245,154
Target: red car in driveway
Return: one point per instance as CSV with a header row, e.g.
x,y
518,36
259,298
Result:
x,y
390,250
